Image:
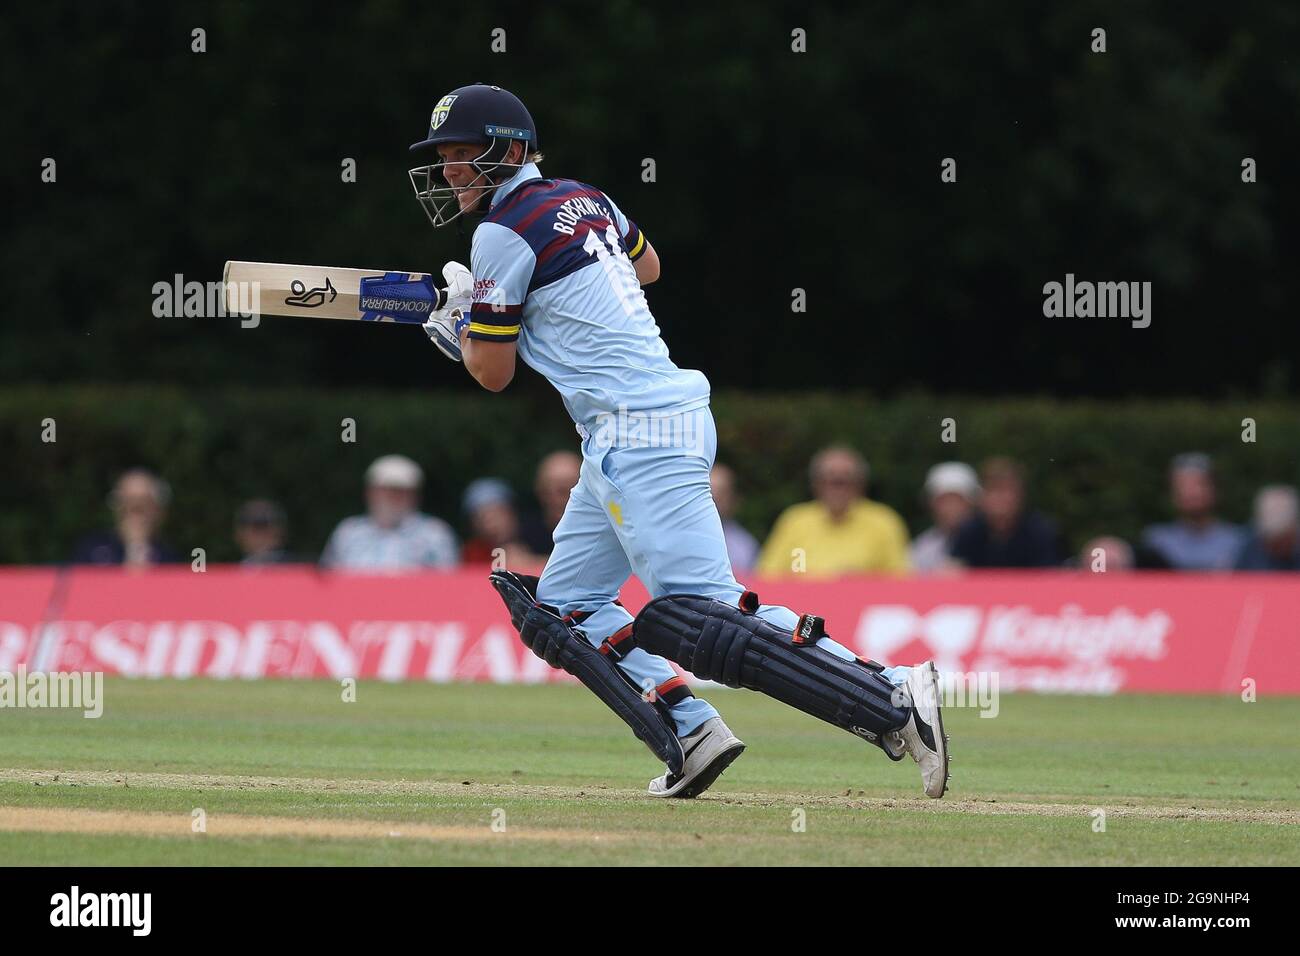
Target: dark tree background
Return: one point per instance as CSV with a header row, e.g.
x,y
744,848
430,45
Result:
x,y
775,170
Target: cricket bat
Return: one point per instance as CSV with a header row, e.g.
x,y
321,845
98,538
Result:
x,y
324,292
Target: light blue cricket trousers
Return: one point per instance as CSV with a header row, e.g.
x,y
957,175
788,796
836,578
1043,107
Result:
x,y
642,506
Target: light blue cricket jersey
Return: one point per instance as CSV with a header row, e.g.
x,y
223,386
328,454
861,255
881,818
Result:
x,y
552,264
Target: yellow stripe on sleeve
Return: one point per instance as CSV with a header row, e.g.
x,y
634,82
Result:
x,y
493,329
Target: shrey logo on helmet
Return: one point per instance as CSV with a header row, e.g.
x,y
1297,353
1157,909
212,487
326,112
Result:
x,y
485,116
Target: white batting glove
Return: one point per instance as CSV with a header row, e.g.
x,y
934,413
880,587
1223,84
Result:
x,y
444,326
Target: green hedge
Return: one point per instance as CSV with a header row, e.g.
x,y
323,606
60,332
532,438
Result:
x,y
1094,466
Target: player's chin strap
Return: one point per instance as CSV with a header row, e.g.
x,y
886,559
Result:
x,y
736,647
554,640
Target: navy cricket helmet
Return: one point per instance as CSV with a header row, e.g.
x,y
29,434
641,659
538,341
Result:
x,y
482,114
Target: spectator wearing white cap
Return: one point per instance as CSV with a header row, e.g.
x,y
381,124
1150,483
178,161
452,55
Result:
x,y
951,490
393,535
1274,543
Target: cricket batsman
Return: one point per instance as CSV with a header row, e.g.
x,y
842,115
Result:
x,y
556,280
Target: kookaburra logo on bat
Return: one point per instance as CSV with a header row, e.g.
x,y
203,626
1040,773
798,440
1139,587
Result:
x,y
306,298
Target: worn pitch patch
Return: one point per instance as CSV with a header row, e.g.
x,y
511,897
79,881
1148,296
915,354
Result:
x,y
62,820
437,788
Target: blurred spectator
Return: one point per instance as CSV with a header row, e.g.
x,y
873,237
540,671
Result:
x,y
1003,533
139,502
1197,539
260,531
742,549
841,531
1274,544
557,473
490,506
392,535
1107,555
951,489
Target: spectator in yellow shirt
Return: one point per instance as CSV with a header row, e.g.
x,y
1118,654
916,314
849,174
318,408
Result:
x,y
841,532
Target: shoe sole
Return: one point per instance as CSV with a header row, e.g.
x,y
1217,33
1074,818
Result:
x,y
942,739
705,778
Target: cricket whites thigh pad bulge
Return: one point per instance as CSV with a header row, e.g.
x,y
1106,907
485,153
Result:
x,y
716,641
555,641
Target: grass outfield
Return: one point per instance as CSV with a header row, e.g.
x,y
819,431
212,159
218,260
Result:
x,y
285,772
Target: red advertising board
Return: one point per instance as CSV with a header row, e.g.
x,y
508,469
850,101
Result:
x,y
1047,631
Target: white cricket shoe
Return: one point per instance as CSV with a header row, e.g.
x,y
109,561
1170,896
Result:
x,y
922,736
709,750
